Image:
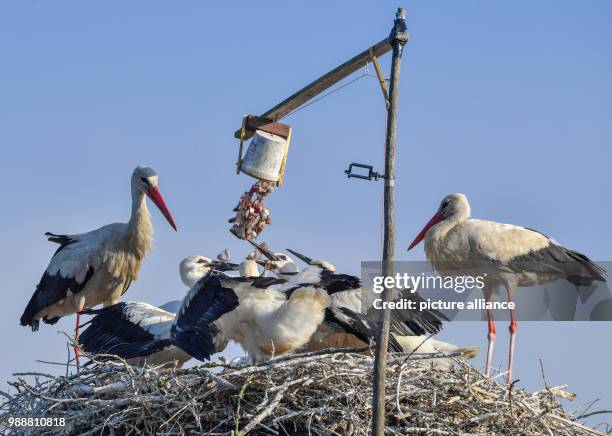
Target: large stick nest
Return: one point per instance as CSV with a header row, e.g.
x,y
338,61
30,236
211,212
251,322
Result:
x,y
325,392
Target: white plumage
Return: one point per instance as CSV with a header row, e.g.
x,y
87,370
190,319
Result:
x,y
140,332
350,320
264,321
427,345
267,323
501,254
97,267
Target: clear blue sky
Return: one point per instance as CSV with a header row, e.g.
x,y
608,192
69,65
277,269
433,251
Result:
x,y
508,102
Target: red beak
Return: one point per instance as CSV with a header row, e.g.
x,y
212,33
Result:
x,y
432,222
156,197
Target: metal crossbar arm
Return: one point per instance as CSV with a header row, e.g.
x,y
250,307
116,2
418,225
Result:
x,y
322,83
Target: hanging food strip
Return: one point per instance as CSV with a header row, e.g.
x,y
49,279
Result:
x,y
264,160
251,214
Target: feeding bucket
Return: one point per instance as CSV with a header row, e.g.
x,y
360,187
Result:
x,y
264,157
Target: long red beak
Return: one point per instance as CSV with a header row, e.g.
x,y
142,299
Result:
x,y
432,222
156,197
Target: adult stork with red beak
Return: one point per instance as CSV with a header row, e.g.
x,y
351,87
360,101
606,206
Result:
x,y
97,267
503,254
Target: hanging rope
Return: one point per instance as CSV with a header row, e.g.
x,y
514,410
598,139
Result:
x,y
366,73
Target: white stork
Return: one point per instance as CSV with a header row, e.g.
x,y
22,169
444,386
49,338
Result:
x,y
347,323
264,321
511,256
97,267
192,269
350,320
140,332
135,331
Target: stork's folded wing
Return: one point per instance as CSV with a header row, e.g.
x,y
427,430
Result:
x,y
127,330
194,330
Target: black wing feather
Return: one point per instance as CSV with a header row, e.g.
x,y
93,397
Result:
x,y
356,325
571,265
111,332
50,290
62,240
333,282
405,323
194,331
415,322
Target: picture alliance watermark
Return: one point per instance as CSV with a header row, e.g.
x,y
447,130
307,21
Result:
x,y
465,292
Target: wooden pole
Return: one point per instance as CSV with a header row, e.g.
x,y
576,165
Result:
x,y
398,39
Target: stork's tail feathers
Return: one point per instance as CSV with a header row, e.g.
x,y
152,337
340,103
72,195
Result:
x,y
58,239
589,271
33,323
27,319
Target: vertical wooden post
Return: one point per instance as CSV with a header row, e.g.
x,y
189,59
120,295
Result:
x,y
398,39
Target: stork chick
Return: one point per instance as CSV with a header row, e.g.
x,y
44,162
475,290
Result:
x,y
264,321
350,320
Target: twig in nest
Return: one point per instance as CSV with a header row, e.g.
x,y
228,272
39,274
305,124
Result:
x,y
323,392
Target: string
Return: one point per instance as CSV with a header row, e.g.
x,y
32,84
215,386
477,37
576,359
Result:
x,y
366,73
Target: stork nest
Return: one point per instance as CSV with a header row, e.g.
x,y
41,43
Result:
x,y
323,392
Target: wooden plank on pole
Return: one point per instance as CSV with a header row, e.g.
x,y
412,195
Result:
x,y
381,79
323,83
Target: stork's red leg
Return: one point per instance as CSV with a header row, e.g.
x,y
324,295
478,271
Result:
x,y
77,351
491,340
512,328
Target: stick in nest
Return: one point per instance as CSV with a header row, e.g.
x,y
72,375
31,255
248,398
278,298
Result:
x,y
324,392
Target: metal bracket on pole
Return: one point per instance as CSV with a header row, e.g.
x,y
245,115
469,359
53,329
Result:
x,y
242,135
371,175
399,37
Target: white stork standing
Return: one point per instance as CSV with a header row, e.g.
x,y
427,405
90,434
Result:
x,y
264,321
97,267
140,332
511,256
